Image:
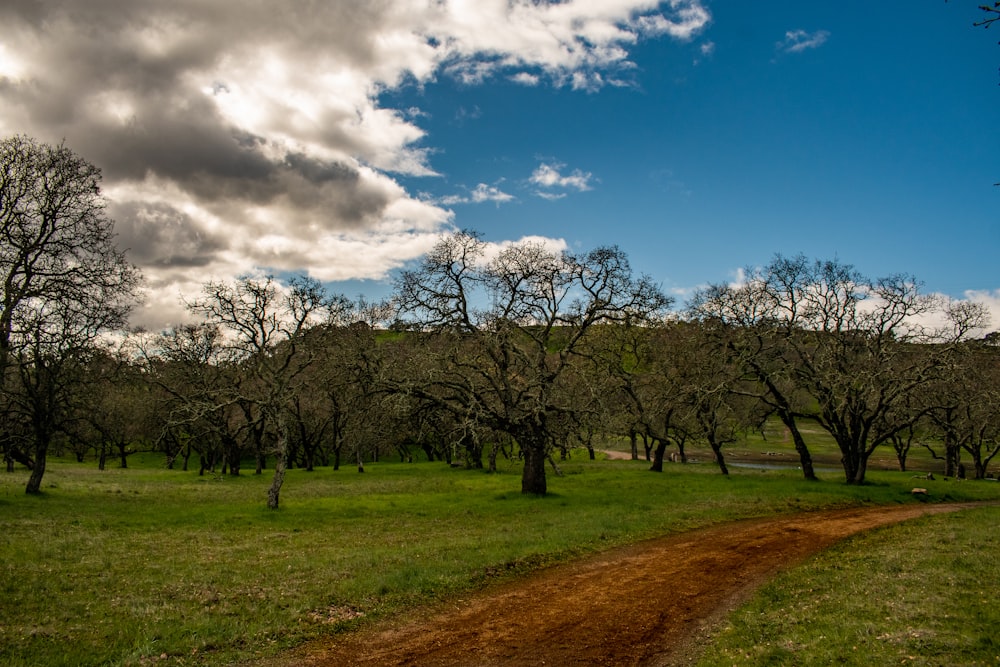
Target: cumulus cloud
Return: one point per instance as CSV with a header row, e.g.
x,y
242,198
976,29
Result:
x,y
526,79
549,177
480,194
554,246
689,19
234,136
797,41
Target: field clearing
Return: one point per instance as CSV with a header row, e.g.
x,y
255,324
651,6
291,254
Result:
x,y
152,566
918,593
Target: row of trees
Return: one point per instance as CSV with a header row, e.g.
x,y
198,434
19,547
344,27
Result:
x,y
482,352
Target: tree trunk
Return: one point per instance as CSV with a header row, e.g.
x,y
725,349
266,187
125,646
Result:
x,y
661,449
855,463
309,453
805,458
494,450
719,458
280,454
634,442
952,451
533,477
473,451
35,480
902,449
859,476
952,461
273,493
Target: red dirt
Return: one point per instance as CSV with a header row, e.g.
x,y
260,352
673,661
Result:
x,y
651,603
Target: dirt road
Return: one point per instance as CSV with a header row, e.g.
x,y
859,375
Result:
x,y
647,604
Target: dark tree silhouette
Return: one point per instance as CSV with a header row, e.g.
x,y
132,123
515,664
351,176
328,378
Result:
x,y
64,281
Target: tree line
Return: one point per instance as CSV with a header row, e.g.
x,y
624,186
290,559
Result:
x,y
518,352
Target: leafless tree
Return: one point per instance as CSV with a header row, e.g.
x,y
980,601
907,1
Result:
x,y
962,409
64,281
504,332
853,345
265,324
757,317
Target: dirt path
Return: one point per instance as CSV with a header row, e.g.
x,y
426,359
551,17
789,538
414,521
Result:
x,y
646,604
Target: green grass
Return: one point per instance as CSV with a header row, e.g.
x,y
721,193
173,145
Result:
x,y
777,446
918,593
150,566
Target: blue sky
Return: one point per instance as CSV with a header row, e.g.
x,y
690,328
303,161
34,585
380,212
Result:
x,y
873,146
700,136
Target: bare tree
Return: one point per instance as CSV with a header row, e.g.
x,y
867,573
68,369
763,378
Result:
x,y
643,367
190,367
505,331
853,345
344,404
962,409
115,411
863,354
758,316
265,325
64,281
711,403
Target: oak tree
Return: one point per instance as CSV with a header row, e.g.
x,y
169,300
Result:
x,y
64,282
505,331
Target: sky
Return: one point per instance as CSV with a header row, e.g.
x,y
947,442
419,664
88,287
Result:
x,y
342,138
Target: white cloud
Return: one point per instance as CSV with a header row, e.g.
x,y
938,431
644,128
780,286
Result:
x,y
488,193
551,196
554,246
797,41
526,79
233,135
480,194
690,18
549,176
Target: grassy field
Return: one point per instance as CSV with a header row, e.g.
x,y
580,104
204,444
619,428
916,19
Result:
x,y
149,566
919,593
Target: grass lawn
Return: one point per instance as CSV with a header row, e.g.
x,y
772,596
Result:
x,y
152,566
918,593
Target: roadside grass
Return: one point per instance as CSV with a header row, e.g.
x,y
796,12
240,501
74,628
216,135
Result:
x,y
918,593
151,566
